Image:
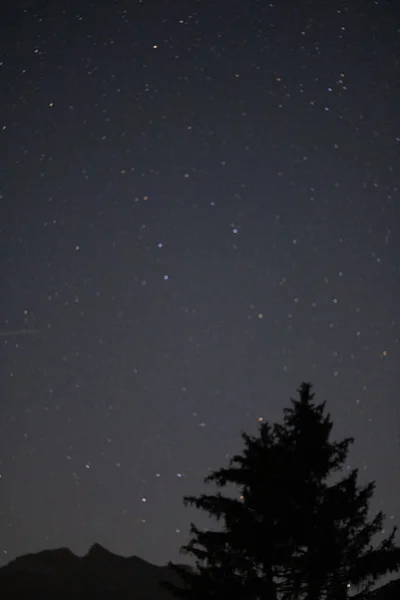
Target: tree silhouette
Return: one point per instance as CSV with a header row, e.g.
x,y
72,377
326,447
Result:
x,y
289,534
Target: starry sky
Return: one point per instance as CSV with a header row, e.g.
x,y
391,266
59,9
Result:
x,y
200,210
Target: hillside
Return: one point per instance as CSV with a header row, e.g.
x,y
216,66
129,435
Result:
x,y
101,575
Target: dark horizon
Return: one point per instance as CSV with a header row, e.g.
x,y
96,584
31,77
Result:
x,y
101,555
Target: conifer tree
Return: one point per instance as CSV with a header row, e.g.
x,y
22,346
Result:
x,y
290,534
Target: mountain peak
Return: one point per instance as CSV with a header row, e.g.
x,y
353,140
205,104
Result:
x,y
97,549
98,552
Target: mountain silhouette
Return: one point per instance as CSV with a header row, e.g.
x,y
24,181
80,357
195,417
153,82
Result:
x,y
102,575
99,575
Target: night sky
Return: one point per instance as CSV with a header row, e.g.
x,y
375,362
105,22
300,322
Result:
x,y
200,210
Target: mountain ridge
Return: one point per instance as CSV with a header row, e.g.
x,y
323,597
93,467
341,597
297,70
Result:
x,y
99,574
103,575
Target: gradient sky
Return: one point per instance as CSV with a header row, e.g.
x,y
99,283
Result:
x,y
200,209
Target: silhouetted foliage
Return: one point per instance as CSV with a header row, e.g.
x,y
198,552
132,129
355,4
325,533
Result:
x,y
290,534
